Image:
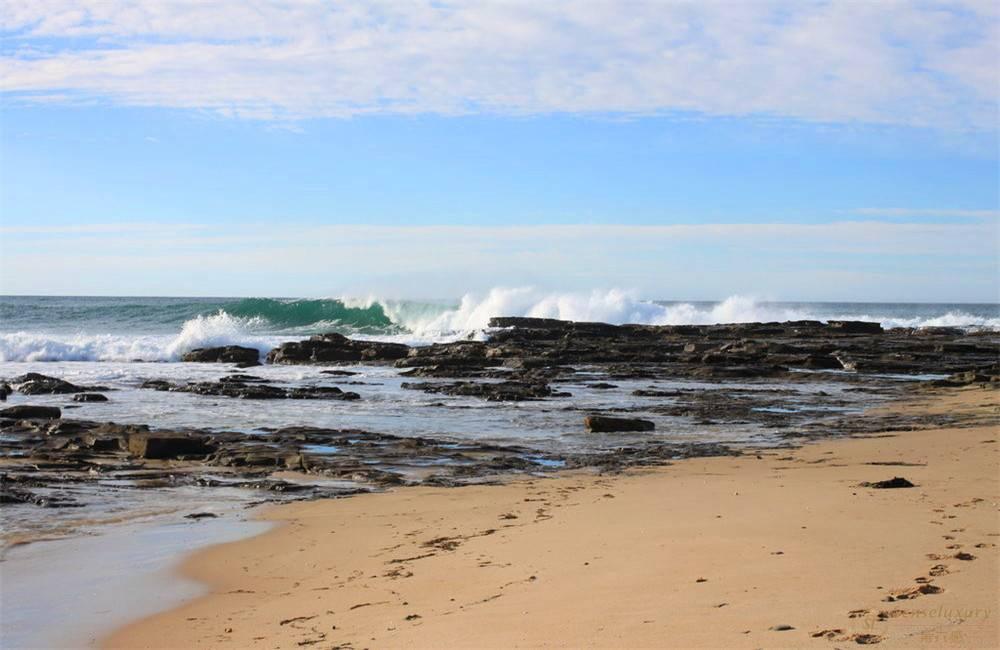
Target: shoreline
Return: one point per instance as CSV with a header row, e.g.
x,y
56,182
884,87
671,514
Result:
x,y
700,553
102,578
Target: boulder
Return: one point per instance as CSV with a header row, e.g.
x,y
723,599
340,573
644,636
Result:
x,y
336,348
225,354
28,412
34,383
604,424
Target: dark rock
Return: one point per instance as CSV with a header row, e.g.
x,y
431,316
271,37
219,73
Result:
x,y
201,515
33,383
5,390
236,388
102,443
15,495
165,446
508,391
855,327
336,348
89,397
823,361
895,482
984,376
29,412
643,392
527,323
157,384
246,357
604,424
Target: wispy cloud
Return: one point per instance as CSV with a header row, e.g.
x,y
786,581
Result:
x,y
132,227
922,64
928,212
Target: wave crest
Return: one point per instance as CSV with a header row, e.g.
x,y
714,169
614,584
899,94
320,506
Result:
x,y
264,323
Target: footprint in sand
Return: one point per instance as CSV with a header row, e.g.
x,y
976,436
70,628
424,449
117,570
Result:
x,y
864,639
913,592
837,634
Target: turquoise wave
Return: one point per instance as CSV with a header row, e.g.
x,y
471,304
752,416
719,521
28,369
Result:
x,y
305,313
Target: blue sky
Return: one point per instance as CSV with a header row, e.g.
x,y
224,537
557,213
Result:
x,y
795,151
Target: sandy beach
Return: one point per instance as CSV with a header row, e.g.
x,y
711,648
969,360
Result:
x,y
777,549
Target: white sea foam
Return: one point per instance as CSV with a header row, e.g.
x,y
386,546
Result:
x,y
200,332
619,307
428,322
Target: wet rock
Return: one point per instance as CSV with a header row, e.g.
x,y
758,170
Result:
x,y
237,388
5,390
507,391
983,376
100,443
895,482
89,397
29,412
336,348
226,354
733,372
113,429
201,515
854,327
33,383
14,495
645,392
527,323
164,446
604,424
711,352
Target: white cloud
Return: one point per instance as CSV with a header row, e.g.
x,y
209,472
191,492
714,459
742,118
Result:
x,y
908,63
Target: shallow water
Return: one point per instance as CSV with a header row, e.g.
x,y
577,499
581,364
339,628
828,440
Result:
x,y
69,593
551,425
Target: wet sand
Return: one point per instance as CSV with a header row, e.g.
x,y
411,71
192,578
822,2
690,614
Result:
x,y
106,573
780,549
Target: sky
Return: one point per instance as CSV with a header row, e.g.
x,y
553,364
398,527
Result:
x,y
785,150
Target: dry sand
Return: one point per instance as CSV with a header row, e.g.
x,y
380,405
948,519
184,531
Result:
x,y
713,552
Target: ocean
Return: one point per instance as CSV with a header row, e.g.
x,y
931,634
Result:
x,y
153,329
122,342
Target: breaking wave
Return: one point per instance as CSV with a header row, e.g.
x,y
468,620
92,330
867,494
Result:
x,y
163,329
